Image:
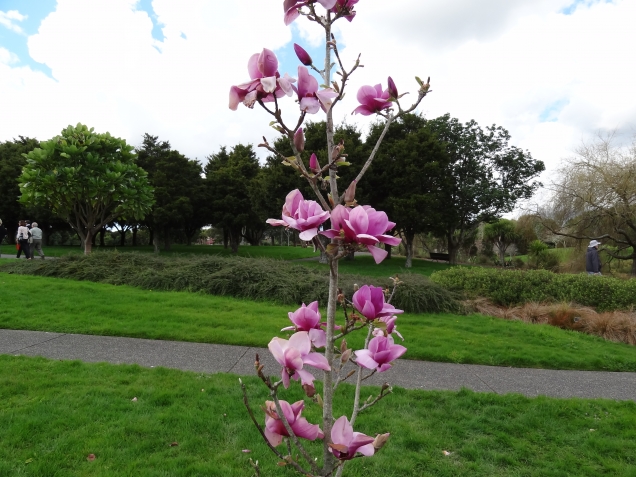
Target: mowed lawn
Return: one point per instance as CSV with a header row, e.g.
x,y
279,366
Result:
x,y
54,414
68,306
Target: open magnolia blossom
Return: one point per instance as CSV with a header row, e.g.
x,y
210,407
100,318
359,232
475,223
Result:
x,y
382,351
363,225
307,318
275,429
345,443
373,99
302,215
265,83
390,327
293,355
369,301
347,6
310,97
292,7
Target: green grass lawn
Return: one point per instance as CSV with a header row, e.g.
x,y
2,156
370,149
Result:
x,y
54,414
68,306
283,253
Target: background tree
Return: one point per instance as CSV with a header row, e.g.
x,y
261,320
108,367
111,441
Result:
x,y
89,179
11,164
502,234
487,177
595,192
179,192
408,178
229,180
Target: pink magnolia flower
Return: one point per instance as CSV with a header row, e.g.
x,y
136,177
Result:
x,y
369,301
314,165
275,429
390,327
307,318
372,100
382,351
291,7
310,98
302,215
363,225
346,443
294,354
393,92
265,83
345,5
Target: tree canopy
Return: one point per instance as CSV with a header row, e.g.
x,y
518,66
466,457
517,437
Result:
x,y
487,177
87,178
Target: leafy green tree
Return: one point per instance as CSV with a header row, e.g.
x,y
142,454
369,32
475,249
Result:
x,y
86,178
179,191
11,164
487,177
408,178
230,179
502,234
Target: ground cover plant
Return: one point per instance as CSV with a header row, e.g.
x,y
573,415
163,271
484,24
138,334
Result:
x,y
364,265
69,306
56,415
514,287
256,279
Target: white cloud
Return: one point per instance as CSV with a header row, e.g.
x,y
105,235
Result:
x,y
508,62
8,19
7,57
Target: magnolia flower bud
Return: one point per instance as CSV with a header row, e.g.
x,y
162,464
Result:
x,y
350,194
314,166
380,440
299,140
393,92
302,55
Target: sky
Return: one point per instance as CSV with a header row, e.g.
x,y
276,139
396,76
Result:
x,y
552,72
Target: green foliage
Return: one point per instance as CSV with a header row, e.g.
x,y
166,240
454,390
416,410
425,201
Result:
x,y
86,178
255,279
513,287
501,233
541,257
179,194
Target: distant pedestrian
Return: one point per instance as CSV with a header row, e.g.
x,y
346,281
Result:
x,y
23,240
3,233
36,236
592,260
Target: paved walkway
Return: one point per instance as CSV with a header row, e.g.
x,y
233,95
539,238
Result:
x,y
211,358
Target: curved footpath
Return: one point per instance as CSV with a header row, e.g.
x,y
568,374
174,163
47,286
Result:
x,y
212,358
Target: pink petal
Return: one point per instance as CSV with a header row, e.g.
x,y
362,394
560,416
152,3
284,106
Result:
x,y
303,429
301,342
308,234
364,359
364,110
305,376
326,98
276,348
273,438
389,239
318,337
293,359
275,222
310,105
317,360
267,63
342,431
252,67
307,84
359,220
269,84
328,4
377,253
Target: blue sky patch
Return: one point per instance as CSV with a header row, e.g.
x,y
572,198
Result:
x,y
551,113
146,6
570,9
16,42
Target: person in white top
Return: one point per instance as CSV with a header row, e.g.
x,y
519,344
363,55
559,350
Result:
x,y
23,240
36,235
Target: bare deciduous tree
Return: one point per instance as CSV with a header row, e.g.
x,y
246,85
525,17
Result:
x,y
595,197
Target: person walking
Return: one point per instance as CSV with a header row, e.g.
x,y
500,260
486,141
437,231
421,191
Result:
x,y
3,233
23,240
592,260
36,236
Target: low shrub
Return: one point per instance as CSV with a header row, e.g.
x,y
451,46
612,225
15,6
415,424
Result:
x,y
252,278
514,287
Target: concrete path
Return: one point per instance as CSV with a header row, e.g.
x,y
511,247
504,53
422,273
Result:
x,y
211,358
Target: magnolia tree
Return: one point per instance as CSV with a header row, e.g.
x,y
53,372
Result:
x,y
353,226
